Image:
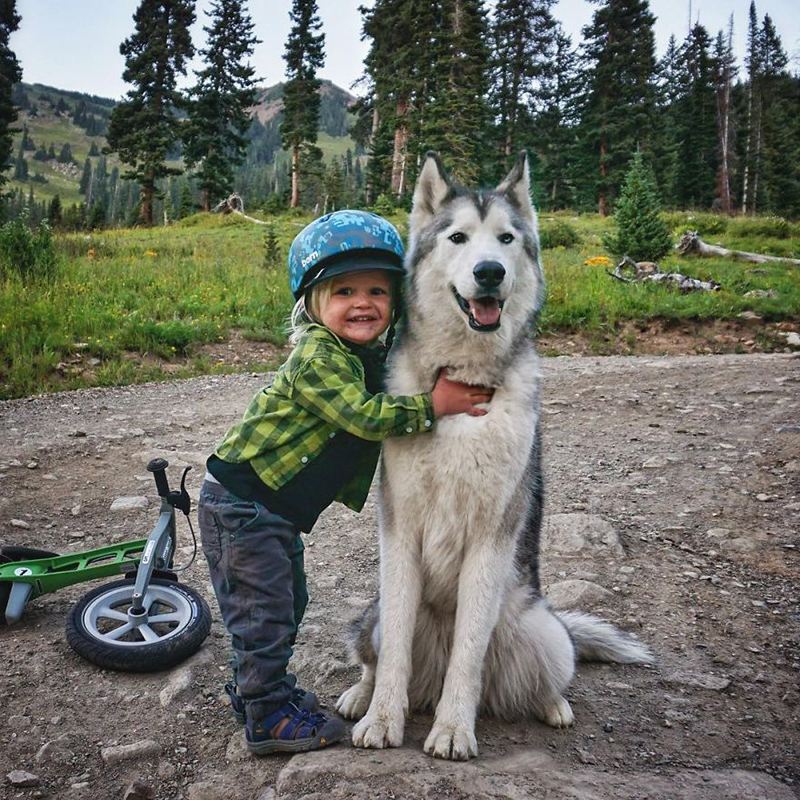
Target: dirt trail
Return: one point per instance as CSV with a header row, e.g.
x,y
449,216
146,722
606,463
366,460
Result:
x,y
692,462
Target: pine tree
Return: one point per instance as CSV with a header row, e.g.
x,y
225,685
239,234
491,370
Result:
x,y
457,111
697,164
10,73
304,55
620,94
218,118
670,88
21,166
143,128
54,212
65,156
753,118
641,232
86,179
272,250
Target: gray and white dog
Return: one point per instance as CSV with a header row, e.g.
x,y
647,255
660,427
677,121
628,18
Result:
x,y
461,625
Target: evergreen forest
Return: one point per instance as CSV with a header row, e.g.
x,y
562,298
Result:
x,y
478,82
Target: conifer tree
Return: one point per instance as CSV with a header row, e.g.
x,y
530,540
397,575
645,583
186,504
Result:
x,y
641,232
143,128
54,212
697,133
218,111
21,166
670,88
753,114
304,55
186,202
457,112
10,73
86,178
620,94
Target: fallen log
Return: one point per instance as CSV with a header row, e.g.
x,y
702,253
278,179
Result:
x,y
235,205
692,244
649,271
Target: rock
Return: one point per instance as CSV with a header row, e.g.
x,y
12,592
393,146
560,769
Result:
x,y
582,535
179,681
577,593
32,465
216,788
22,779
523,773
739,545
129,503
20,523
750,317
267,794
76,509
656,462
237,748
761,293
56,751
127,752
698,680
139,790
792,338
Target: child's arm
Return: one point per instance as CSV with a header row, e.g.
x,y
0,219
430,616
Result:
x,y
338,396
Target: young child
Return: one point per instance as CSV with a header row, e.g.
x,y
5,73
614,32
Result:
x,y
310,437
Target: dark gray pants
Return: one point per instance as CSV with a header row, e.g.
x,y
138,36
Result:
x,y
256,562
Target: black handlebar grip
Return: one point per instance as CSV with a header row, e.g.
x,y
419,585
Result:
x,y
158,466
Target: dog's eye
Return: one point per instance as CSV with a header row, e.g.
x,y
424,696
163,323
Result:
x,y
506,238
458,237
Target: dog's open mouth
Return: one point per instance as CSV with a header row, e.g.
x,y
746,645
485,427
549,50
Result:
x,y
483,312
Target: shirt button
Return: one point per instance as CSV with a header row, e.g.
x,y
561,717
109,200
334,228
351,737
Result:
x,y
409,430
331,435
304,459
428,423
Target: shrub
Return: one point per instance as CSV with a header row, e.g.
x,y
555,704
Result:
x,y
28,254
558,234
775,227
704,223
641,232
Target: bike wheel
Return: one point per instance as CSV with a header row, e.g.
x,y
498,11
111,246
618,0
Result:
x,y
9,553
175,623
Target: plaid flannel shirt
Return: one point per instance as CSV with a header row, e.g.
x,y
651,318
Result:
x,y
317,393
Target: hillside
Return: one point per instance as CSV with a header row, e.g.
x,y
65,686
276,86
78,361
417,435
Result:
x,y
61,129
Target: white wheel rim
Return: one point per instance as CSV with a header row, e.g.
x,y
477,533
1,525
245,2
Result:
x,y
106,617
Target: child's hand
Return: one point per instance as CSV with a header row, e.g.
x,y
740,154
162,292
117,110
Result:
x,y
451,397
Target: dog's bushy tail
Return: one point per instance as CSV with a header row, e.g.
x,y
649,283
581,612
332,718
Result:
x,y
598,640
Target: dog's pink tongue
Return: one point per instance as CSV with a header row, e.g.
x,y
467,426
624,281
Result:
x,y
485,310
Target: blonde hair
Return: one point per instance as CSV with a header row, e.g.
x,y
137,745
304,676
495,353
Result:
x,y
308,309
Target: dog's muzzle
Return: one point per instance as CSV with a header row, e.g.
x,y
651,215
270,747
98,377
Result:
x,y
483,312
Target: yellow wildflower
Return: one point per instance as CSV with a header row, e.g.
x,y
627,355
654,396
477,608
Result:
x,y
598,261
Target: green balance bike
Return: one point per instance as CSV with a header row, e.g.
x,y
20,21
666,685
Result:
x,y
146,621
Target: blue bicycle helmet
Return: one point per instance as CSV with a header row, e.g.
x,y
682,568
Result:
x,y
340,242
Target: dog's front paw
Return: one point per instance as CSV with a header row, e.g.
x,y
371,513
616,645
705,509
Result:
x,y
378,730
449,741
559,714
353,703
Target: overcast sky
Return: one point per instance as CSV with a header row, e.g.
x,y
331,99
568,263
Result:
x,y
74,44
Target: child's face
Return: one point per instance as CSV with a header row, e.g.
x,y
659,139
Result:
x,y
360,306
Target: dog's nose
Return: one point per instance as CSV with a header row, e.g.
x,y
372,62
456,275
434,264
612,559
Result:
x,y
489,274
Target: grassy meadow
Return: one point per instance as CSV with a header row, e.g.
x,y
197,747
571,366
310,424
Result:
x,y
133,305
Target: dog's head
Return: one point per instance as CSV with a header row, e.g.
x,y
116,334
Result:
x,y
474,253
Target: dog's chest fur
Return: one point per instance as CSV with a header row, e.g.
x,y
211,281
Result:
x,y
460,479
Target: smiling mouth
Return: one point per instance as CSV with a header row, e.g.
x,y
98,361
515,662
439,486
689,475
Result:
x,y
483,313
362,319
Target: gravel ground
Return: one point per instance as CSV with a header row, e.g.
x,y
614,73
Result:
x,y
690,464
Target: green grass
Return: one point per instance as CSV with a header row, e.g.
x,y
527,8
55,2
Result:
x,y
136,305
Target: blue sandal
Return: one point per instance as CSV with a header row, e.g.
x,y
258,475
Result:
x,y
292,730
304,700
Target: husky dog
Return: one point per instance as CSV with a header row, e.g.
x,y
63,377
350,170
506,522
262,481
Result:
x,y
461,625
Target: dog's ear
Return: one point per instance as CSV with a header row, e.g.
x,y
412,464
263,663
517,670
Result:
x,y
432,189
517,187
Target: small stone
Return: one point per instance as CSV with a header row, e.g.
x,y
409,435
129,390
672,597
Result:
x,y
139,790
20,523
22,779
32,465
764,498
76,509
698,680
78,434
584,756
656,462
127,752
129,503
608,727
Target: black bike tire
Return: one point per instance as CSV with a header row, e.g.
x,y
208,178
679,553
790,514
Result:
x,y
145,657
9,554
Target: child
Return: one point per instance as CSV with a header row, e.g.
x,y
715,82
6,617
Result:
x,y
311,437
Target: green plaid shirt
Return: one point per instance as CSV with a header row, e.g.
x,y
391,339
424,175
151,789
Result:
x,y
318,392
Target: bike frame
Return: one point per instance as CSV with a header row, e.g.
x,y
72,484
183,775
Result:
x,y
33,578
